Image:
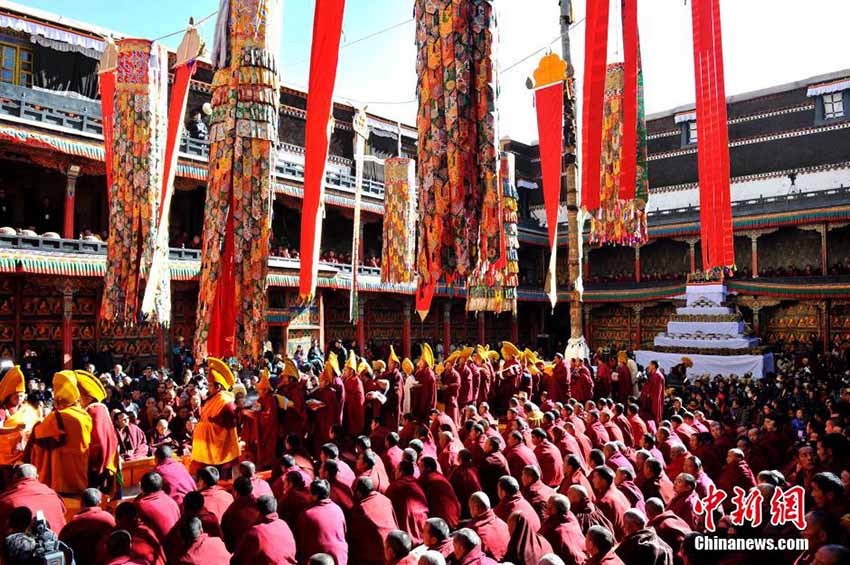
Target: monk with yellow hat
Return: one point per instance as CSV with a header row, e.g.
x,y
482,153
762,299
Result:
x,y
294,418
355,396
103,453
391,409
266,423
327,401
19,417
215,440
451,387
62,440
424,393
464,367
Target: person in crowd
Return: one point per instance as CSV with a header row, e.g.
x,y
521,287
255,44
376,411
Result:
x,y
90,523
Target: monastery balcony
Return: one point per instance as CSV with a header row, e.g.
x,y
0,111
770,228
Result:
x,y
82,118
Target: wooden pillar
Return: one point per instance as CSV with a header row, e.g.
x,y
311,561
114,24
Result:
x,y
754,245
824,259
19,284
514,328
637,263
823,310
70,197
67,317
482,329
320,298
692,253
756,321
588,327
447,327
405,329
637,308
361,325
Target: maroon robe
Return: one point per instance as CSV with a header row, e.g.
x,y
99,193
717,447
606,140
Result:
x,y
566,538
646,548
614,432
451,391
494,467
217,500
684,506
424,396
671,528
465,482
175,544
260,487
380,480
205,550
710,462
624,385
597,434
652,397
736,474
618,460
614,505
342,496
410,505
372,518
561,374
159,512
238,517
268,542
104,440
476,556
631,491
577,478
442,500
609,558
176,480
292,419
293,503
355,410
519,457
442,419
266,431
517,503
623,423
132,443
36,496
581,384
603,380
466,391
449,456
551,463
638,427
391,458
588,515
321,529
660,487
143,546
87,525
537,494
704,484
395,395
526,546
333,397
493,532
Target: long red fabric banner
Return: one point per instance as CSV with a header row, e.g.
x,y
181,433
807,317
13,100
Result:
x,y
728,240
595,57
107,110
176,113
549,103
628,166
327,28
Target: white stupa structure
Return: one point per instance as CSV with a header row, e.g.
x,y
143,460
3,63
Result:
x,y
711,334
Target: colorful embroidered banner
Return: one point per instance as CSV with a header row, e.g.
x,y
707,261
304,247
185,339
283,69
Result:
x,y
458,169
324,56
399,240
138,145
231,316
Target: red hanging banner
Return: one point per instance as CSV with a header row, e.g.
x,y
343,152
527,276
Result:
x,y
107,109
595,57
723,173
324,56
549,102
628,167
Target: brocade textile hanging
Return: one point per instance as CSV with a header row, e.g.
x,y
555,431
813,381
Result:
x,y
399,221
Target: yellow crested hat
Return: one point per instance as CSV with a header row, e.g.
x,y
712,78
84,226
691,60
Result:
x,y
220,373
466,352
332,363
393,357
90,385
509,348
453,356
264,383
493,355
363,367
482,352
439,369
13,382
351,362
65,387
407,366
378,365
427,355
549,368
290,369
686,361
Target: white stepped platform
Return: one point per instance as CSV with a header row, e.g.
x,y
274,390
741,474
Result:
x,y
757,365
704,311
721,328
724,342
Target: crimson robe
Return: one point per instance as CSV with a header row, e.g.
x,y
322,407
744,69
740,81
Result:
x,y
372,518
684,506
449,457
565,537
516,503
395,395
614,505
737,474
268,542
588,515
217,500
518,458
597,434
441,497
493,532
660,487
87,525
623,423
537,494
577,478
704,484
321,529
176,480
132,443
465,482
491,470
293,503
476,556
451,391
710,462
603,380
144,545
561,375
342,496
159,512
333,397
526,546
410,505
624,385
582,384
292,419
380,480
466,390
551,463
103,449
391,458
424,396
36,496
355,409
631,491
614,433
645,547
618,460
238,517
638,427
486,380
175,545
206,550
261,487
266,431
671,528
652,397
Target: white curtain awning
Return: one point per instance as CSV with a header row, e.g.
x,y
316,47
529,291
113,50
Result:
x,y
828,87
686,117
521,183
59,35
384,129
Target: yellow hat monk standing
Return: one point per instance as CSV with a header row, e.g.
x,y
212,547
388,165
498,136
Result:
x,y
19,418
103,453
216,441
424,393
62,440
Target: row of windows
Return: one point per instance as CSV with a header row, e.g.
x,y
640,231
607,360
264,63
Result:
x,y
15,64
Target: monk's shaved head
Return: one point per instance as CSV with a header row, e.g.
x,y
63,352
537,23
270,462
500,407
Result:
x,y
479,503
654,506
243,486
267,504
247,469
633,521
321,559
118,544
26,471
90,498
192,529
162,453
550,559
432,557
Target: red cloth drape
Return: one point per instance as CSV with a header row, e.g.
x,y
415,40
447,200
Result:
x,y
107,109
628,165
728,247
327,27
595,57
549,102
176,113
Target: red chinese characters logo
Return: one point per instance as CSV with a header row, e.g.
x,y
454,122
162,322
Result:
x,y
709,504
786,507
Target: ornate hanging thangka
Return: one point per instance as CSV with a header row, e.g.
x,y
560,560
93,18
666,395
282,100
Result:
x,y
138,115
237,216
399,221
459,214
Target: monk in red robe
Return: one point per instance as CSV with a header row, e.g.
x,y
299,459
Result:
x,y
265,420
493,468
465,482
295,498
669,527
562,530
449,452
371,466
176,480
391,411
581,381
623,385
145,547
511,500
216,499
519,454
609,499
321,527
599,545
26,490
468,549
156,509
103,450
372,518
269,540
293,419
18,419
451,388
574,475
202,549
549,457
327,402
90,523
424,393
656,483
641,544
464,367
526,545
652,394
132,442
535,491
603,379
736,473
587,514
354,417
439,493
176,543
492,530
409,501
242,513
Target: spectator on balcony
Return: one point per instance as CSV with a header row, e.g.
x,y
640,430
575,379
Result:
x,y
196,242
196,127
45,217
